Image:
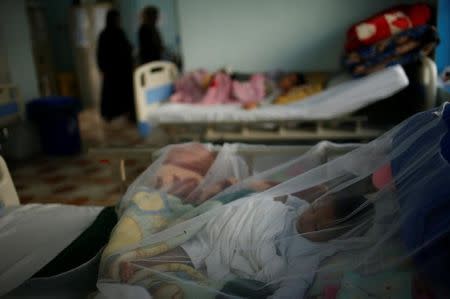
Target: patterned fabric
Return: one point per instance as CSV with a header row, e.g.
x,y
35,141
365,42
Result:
x,y
402,48
386,24
200,87
148,213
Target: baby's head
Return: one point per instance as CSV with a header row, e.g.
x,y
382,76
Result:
x,y
330,217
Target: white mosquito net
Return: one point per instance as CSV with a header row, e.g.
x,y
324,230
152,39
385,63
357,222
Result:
x,y
369,223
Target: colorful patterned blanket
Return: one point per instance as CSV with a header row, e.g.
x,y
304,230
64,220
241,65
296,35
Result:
x,y
402,48
137,238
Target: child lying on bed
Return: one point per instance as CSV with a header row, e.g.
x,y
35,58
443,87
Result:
x,y
265,239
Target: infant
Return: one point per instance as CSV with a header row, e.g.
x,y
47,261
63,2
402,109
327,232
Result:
x,y
265,239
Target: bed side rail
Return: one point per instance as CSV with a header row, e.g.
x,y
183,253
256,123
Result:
x,y
153,83
8,193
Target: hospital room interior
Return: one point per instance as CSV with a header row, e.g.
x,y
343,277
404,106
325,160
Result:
x,y
224,149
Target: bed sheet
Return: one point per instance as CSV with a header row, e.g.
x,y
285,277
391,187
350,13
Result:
x,y
32,235
336,101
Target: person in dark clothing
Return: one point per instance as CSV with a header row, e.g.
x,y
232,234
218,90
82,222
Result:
x,y
150,43
114,58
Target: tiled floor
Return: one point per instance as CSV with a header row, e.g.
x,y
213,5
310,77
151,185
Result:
x,y
82,179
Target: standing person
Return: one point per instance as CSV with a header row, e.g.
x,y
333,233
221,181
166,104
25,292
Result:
x,y
150,43
114,58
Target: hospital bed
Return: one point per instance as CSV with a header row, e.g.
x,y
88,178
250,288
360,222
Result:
x,y
324,116
260,158
81,280
62,223
31,236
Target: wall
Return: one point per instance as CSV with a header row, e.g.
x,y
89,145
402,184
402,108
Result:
x,y
18,48
58,16
258,35
443,50
58,12
4,67
247,35
130,13
128,17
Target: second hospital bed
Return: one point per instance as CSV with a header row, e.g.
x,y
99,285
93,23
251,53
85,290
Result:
x,y
322,116
70,221
402,148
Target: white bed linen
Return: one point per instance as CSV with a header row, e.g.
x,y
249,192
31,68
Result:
x,y
336,101
32,235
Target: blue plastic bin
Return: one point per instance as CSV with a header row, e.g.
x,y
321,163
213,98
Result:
x,y
57,120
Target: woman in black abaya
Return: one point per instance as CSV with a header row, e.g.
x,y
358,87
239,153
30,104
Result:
x,y
114,58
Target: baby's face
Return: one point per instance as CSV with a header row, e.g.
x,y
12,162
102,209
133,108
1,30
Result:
x,y
319,216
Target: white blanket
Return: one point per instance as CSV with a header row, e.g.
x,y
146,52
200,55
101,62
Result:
x,y
32,235
240,240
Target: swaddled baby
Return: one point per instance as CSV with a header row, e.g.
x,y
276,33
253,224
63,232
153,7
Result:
x,y
266,240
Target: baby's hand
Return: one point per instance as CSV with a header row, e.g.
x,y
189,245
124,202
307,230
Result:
x,y
183,188
208,192
262,185
179,187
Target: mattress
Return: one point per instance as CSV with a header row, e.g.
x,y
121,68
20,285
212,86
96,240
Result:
x,y
336,101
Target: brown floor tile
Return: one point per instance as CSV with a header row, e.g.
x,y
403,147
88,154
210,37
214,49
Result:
x,y
64,189
55,179
21,187
103,180
83,162
92,171
77,201
46,170
115,191
25,198
64,180
131,162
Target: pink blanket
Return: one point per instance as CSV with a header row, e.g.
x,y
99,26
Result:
x,y
193,88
